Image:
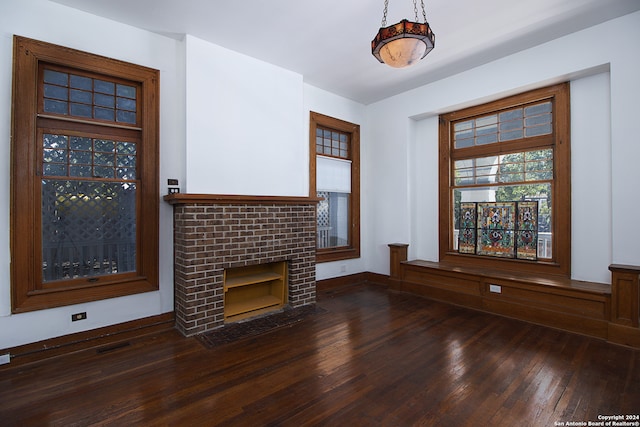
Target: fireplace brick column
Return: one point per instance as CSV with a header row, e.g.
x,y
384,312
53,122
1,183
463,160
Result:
x,y
213,233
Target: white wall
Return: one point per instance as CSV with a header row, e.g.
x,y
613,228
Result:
x,y
53,23
591,213
405,210
244,125
326,103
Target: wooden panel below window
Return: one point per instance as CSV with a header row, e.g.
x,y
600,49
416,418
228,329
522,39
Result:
x,y
575,306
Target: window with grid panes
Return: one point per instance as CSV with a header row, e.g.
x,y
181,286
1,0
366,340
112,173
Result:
x,y
85,177
511,150
334,147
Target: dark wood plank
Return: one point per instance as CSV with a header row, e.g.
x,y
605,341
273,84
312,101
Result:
x,y
372,357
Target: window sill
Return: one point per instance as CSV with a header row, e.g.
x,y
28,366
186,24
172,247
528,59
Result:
x,y
338,254
539,267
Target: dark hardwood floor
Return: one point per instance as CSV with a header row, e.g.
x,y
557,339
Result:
x,y
370,358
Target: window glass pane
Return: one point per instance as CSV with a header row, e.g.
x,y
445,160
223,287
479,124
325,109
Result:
x,y
508,136
506,167
57,107
463,143
126,104
506,193
104,145
464,134
486,130
484,161
511,177
54,141
83,171
54,170
81,110
512,158
126,161
464,177
468,163
539,176
80,143
105,159
126,173
104,100
55,77
511,172
333,143
511,115
538,166
91,98
486,121
103,172
80,82
87,157
546,154
126,117
103,113
54,156
511,125
80,157
88,229
485,175
126,91
81,96
56,92
104,87
462,126
486,139
538,120
537,109
538,130
333,220
126,147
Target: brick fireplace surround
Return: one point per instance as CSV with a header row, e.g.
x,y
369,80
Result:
x,y
216,232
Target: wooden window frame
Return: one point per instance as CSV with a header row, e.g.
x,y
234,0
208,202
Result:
x,y
315,120
559,140
28,293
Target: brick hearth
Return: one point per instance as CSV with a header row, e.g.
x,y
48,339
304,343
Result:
x,y
212,233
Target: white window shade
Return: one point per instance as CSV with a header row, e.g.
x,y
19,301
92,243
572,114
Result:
x,y
333,175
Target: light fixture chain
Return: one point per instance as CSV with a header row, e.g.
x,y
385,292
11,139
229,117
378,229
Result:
x,y
384,15
415,9
424,14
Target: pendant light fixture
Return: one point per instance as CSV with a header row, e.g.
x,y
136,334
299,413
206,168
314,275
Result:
x,y
404,43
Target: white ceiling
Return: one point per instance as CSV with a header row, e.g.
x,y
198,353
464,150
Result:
x,y
329,41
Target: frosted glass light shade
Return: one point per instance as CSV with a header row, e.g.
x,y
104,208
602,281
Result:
x,y
402,52
403,44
